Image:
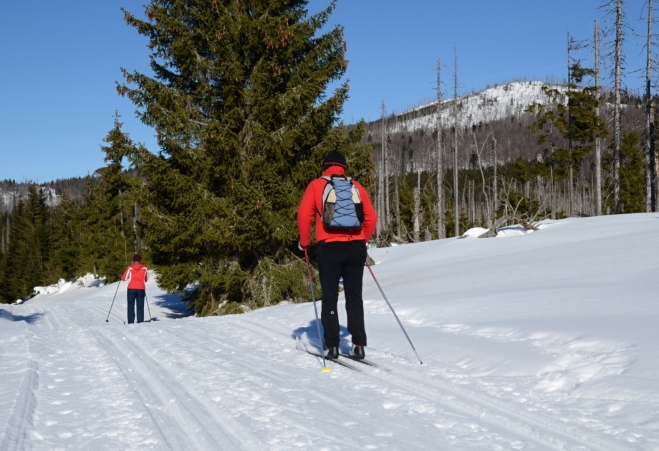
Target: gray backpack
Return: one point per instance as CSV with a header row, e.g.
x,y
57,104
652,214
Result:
x,y
342,204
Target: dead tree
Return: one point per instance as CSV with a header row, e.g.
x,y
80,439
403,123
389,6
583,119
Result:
x,y
617,117
598,149
456,209
649,125
387,214
494,182
479,152
417,205
380,186
569,121
440,158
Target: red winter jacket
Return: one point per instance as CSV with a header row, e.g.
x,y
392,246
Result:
x,y
312,205
136,275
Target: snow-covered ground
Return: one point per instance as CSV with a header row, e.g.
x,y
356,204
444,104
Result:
x,y
540,341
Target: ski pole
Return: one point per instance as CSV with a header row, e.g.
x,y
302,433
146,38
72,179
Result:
x,y
315,309
113,298
392,311
147,306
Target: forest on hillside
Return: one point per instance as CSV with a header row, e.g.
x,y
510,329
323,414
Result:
x,y
214,206
525,169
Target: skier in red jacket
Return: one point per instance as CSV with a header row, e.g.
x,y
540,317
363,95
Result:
x,y
341,253
137,275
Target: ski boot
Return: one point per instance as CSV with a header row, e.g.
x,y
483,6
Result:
x,y
357,352
332,353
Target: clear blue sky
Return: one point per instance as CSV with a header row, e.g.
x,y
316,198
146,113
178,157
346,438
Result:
x,y
60,61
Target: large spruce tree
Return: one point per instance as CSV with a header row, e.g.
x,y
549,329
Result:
x,y
106,239
239,102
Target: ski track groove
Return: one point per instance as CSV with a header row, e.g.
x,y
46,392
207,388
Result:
x,y
188,407
105,343
322,398
491,412
21,418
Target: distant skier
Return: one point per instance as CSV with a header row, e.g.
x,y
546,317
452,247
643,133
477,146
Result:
x,y
137,276
345,220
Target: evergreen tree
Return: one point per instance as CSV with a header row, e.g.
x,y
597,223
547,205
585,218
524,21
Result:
x,y
238,101
24,265
64,252
37,238
632,174
14,284
106,243
576,120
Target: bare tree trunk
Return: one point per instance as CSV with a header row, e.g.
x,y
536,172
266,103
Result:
x,y
598,148
456,205
551,194
397,194
616,110
472,201
417,205
649,131
569,121
441,229
380,198
387,211
496,163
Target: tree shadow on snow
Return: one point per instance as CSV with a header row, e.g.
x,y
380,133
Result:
x,y
311,333
178,308
30,319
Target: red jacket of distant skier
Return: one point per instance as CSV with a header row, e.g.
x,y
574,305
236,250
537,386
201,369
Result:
x,y
311,207
136,275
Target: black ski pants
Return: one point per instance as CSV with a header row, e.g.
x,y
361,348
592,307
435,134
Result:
x,y
347,259
136,297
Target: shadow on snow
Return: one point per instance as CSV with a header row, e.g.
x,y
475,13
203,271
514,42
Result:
x,y
30,319
178,308
311,333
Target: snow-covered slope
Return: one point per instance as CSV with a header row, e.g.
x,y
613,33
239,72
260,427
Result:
x,y
9,198
500,102
544,341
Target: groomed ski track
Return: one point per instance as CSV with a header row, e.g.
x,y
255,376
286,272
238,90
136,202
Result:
x,y
183,416
511,363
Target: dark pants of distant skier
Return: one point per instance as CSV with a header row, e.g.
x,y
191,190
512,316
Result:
x,y
347,259
136,297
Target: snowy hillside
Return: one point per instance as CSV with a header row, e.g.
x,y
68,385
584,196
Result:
x,y
9,198
492,104
543,341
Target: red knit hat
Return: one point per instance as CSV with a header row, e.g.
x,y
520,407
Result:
x,y
137,258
